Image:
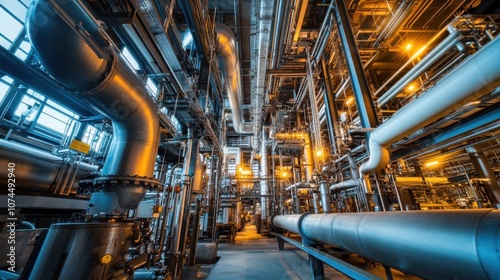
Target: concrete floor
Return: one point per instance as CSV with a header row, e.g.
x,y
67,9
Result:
x,y
254,257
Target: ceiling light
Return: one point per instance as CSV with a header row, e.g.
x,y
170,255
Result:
x,y
408,47
431,163
349,100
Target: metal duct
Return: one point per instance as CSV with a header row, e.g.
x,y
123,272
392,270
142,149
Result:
x,y
35,169
472,78
229,61
105,81
308,154
453,244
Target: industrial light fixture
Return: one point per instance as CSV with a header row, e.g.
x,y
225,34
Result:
x,y
349,100
432,163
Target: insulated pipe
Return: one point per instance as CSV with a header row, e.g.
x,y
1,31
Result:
x,y
107,83
351,183
451,244
35,169
325,197
474,77
229,61
438,52
308,154
297,185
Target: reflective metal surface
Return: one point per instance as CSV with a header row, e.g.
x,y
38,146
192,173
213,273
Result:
x,y
35,169
109,85
460,244
82,251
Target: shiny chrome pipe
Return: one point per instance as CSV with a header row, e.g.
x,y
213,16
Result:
x,y
106,83
227,53
452,244
99,76
35,170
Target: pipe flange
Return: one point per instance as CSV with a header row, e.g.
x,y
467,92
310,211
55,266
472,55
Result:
x,y
305,241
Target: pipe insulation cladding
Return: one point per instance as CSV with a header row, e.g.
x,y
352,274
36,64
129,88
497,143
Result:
x,y
448,244
98,74
474,77
106,82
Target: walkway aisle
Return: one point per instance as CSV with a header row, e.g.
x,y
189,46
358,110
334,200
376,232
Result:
x,y
254,257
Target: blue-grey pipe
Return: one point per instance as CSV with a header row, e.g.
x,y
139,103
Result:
x,y
474,77
106,82
451,244
434,55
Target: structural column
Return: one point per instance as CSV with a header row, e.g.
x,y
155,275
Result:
x,y
362,95
332,118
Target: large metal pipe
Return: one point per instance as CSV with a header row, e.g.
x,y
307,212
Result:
x,y
474,77
35,170
325,197
103,79
229,62
351,183
453,244
434,55
308,154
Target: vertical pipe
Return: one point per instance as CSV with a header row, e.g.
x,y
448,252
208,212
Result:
x,y
484,170
264,174
324,190
182,211
362,95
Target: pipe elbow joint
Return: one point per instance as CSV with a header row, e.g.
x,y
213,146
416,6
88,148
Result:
x,y
379,158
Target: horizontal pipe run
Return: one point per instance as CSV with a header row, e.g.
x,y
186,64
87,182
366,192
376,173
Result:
x,y
473,78
351,183
433,56
451,244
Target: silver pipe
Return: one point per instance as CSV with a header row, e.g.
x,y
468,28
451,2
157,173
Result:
x,y
474,77
35,169
460,244
351,183
325,197
264,186
227,53
433,56
297,185
106,83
